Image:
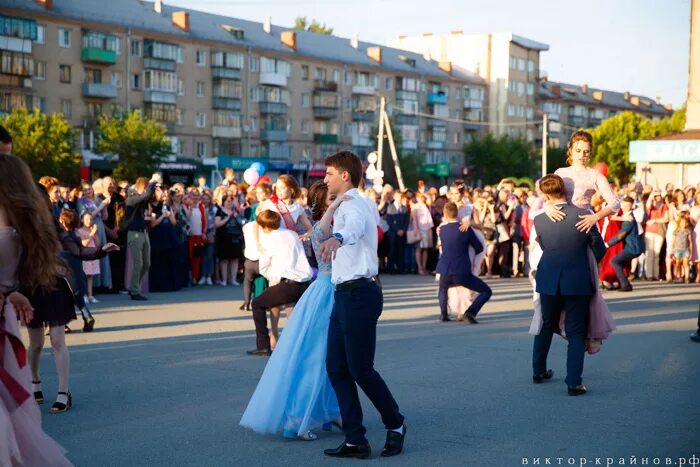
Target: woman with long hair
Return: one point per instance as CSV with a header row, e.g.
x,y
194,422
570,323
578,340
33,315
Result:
x,y
28,259
422,221
163,274
294,394
95,200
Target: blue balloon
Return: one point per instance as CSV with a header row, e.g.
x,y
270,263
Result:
x,y
259,168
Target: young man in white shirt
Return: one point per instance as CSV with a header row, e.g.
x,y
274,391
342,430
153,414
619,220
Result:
x,y
352,333
283,263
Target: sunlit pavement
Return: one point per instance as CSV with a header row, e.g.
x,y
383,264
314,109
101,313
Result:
x,y
165,382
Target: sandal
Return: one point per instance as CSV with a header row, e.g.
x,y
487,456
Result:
x,y
38,395
59,407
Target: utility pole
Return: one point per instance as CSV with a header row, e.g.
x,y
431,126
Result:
x,y
394,156
380,134
544,143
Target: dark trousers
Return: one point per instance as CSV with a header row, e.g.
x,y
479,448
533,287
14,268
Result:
x,y
618,262
395,259
250,272
469,281
277,295
577,309
352,338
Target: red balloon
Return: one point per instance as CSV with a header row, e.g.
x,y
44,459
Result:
x,y
265,179
602,168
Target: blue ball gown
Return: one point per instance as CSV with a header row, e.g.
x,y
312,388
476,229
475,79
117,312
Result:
x,y
294,394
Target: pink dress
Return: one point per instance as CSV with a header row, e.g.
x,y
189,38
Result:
x,y
580,186
90,268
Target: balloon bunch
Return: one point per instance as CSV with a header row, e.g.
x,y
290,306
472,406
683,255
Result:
x,y
253,173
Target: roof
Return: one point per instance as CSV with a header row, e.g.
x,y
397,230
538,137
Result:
x,y
574,94
684,135
528,43
138,14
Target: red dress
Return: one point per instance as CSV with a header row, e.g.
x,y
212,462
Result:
x,y
608,230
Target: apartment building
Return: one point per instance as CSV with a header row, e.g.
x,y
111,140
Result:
x,y
229,89
509,64
570,107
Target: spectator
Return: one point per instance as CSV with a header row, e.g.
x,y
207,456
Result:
x,y
89,238
137,240
229,241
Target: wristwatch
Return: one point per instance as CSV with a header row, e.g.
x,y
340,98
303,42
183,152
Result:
x,y
338,237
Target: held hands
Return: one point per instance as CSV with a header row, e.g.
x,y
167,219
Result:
x,y
110,247
329,248
554,213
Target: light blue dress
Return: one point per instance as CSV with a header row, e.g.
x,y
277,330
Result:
x,y
294,394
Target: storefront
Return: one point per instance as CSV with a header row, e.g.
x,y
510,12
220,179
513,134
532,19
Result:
x,y
214,168
669,159
179,170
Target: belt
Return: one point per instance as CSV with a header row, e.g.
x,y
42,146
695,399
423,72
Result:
x,y
284,280
353,284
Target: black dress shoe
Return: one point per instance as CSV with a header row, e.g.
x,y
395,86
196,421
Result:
x,y
394,443
576,390
361,451
625,288
259,352
471,317
138,297
445,319
542,377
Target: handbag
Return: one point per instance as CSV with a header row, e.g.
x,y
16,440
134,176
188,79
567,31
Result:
x,y
413,236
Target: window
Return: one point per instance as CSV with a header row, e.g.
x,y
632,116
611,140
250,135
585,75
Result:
x,y
336,76
254,149
180,55
347,105
388,84
348,78
455,138
458,93
40,70
513,63
200,120
180,88
521,88
228,59
117,79
306,127
201,149
64,73
201,58
136,81
93,75
200,88
117,44
253,123
64,37
530,66
511,110
511,86
135,48
320,74
305,99
305,72
521,64
94,109
158,80
180,116
530,89
254,64
40,34
530,113
275,65
67,108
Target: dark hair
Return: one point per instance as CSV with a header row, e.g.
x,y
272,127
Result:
x,y
450,210
291,183
346,161
5,136
627,199
318,193
268,219
69,218
552,185
266,187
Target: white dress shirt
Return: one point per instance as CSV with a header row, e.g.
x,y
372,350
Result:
x,y
283,257
357,256
295,210
251,245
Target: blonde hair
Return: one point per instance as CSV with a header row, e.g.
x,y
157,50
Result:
x,y
580,135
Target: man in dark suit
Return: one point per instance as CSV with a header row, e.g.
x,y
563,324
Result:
x,y
563,282
454,265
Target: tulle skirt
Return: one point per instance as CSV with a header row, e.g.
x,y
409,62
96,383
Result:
x,y
22,440
460,298
294,394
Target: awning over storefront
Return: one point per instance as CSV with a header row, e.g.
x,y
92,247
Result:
x,y
666,151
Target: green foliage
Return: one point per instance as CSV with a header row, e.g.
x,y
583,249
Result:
x,y
140,142
303,24
612,138
556,158
45,142
493,158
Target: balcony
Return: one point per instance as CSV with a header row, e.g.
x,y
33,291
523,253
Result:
x,y
13,81
225,73
101,90
402,95
364,90
409,144
553,116
325,138
274,108
96,55
279,136
437,98
405,119
150,63
437,144
230,132
577,120
471,126
277,152
325,112
160,97
434,122
15,44
226,103
273,79
324,85
473,104
594,122
363,141
363,116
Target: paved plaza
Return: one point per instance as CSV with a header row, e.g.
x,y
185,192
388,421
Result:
x,y
164,383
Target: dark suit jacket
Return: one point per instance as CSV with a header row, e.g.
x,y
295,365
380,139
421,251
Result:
x,y
454,259
564,266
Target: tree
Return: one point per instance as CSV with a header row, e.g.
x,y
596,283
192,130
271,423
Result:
x,y
612,139
45,142
493,158
301,23
556,158
140,142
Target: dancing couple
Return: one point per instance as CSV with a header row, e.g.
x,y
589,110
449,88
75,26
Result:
x,y
328,345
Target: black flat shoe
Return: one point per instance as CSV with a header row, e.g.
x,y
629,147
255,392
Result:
x,y
626,288
472,318
542,377
362,451
59,407
259,352
445,319
394,443
138,297
576,390
38,395
243,307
